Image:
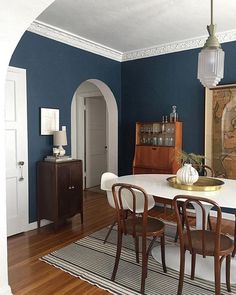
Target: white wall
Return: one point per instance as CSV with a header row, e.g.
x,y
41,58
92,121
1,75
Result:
x,y
16,16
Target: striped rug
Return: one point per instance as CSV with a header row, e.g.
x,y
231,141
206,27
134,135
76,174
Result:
x,y
91,260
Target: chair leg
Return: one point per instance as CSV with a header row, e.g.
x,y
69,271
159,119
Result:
x,y
163,255
217,275
193,263
228,260
118,252
234,251
144,264
136,244
181,272
177,234
109,231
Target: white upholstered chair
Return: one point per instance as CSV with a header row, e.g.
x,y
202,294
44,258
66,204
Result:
x,y
107,180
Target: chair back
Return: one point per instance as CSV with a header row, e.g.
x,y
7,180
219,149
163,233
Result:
x,y
208,171
107,180
190,232
204,170
135,197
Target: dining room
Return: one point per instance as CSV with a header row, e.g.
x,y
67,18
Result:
x,y
146,78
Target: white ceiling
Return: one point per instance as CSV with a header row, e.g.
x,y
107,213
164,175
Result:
x,y
128,25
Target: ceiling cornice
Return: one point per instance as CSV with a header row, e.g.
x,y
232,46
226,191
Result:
x,y
176,46
74,40
82,43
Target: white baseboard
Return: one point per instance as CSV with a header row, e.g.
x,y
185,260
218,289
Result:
x,y
6,290
34,225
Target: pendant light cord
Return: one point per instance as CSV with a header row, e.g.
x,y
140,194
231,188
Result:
x,y
211,12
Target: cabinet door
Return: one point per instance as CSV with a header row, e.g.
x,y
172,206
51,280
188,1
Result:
x,y
76,191
63,185
69,189
152,157
160,157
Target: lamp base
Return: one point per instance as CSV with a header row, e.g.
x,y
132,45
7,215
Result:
x,y
59,152
62,152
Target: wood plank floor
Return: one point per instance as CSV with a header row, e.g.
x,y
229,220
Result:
x,y
28,275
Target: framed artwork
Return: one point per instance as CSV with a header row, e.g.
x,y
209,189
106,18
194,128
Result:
x,y
49,121
220,130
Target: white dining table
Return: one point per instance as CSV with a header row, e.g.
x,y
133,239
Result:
x,y
157,185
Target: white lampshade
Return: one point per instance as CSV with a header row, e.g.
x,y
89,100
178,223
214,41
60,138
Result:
x,y
211,66
59,138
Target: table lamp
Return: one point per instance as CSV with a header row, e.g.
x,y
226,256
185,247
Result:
x,y
60,139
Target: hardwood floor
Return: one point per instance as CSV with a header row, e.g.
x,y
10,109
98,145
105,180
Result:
x,y
28,275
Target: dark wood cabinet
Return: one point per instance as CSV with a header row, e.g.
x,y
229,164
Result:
x,y
59,190
156,148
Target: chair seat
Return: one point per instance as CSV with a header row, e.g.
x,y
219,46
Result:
x,y
154,226
226,244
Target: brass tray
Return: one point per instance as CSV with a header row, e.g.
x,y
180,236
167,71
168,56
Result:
x,y
203,184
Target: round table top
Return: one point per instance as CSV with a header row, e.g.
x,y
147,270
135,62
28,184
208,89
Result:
x,y
157,185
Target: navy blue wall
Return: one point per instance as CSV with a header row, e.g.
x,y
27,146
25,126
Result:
x,y
54,72
152,85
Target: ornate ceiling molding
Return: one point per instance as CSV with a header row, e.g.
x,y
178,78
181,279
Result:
x,y
82,43
74,40
176,46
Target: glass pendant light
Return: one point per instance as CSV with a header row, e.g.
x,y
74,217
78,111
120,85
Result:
x,y
211,58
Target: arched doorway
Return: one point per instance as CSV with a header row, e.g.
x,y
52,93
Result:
x,y
107,155
20,15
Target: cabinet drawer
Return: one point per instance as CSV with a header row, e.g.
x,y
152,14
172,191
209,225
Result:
x,y
153,157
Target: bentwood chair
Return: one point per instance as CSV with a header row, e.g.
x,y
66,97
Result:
x,y
231,211
107,180
202,241
203,170
137,224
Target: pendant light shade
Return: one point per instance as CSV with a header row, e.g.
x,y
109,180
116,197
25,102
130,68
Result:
x,y
210,66
211,58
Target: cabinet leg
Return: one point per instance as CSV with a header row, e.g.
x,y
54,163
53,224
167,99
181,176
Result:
x,y
56,226
82,217
38,223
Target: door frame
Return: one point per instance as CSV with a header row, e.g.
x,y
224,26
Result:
x,y
22,79
77,127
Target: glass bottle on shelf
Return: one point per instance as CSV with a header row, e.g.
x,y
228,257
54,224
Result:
x,y
166,140
171,141
163,127
173,115
160,139
154,140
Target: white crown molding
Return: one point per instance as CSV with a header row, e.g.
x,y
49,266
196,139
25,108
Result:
x,y
223,37
82,43
54,33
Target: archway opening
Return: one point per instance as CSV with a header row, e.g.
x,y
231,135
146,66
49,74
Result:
x,y
94,130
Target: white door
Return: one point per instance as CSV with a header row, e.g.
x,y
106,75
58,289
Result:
x,y
16,151
95,133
